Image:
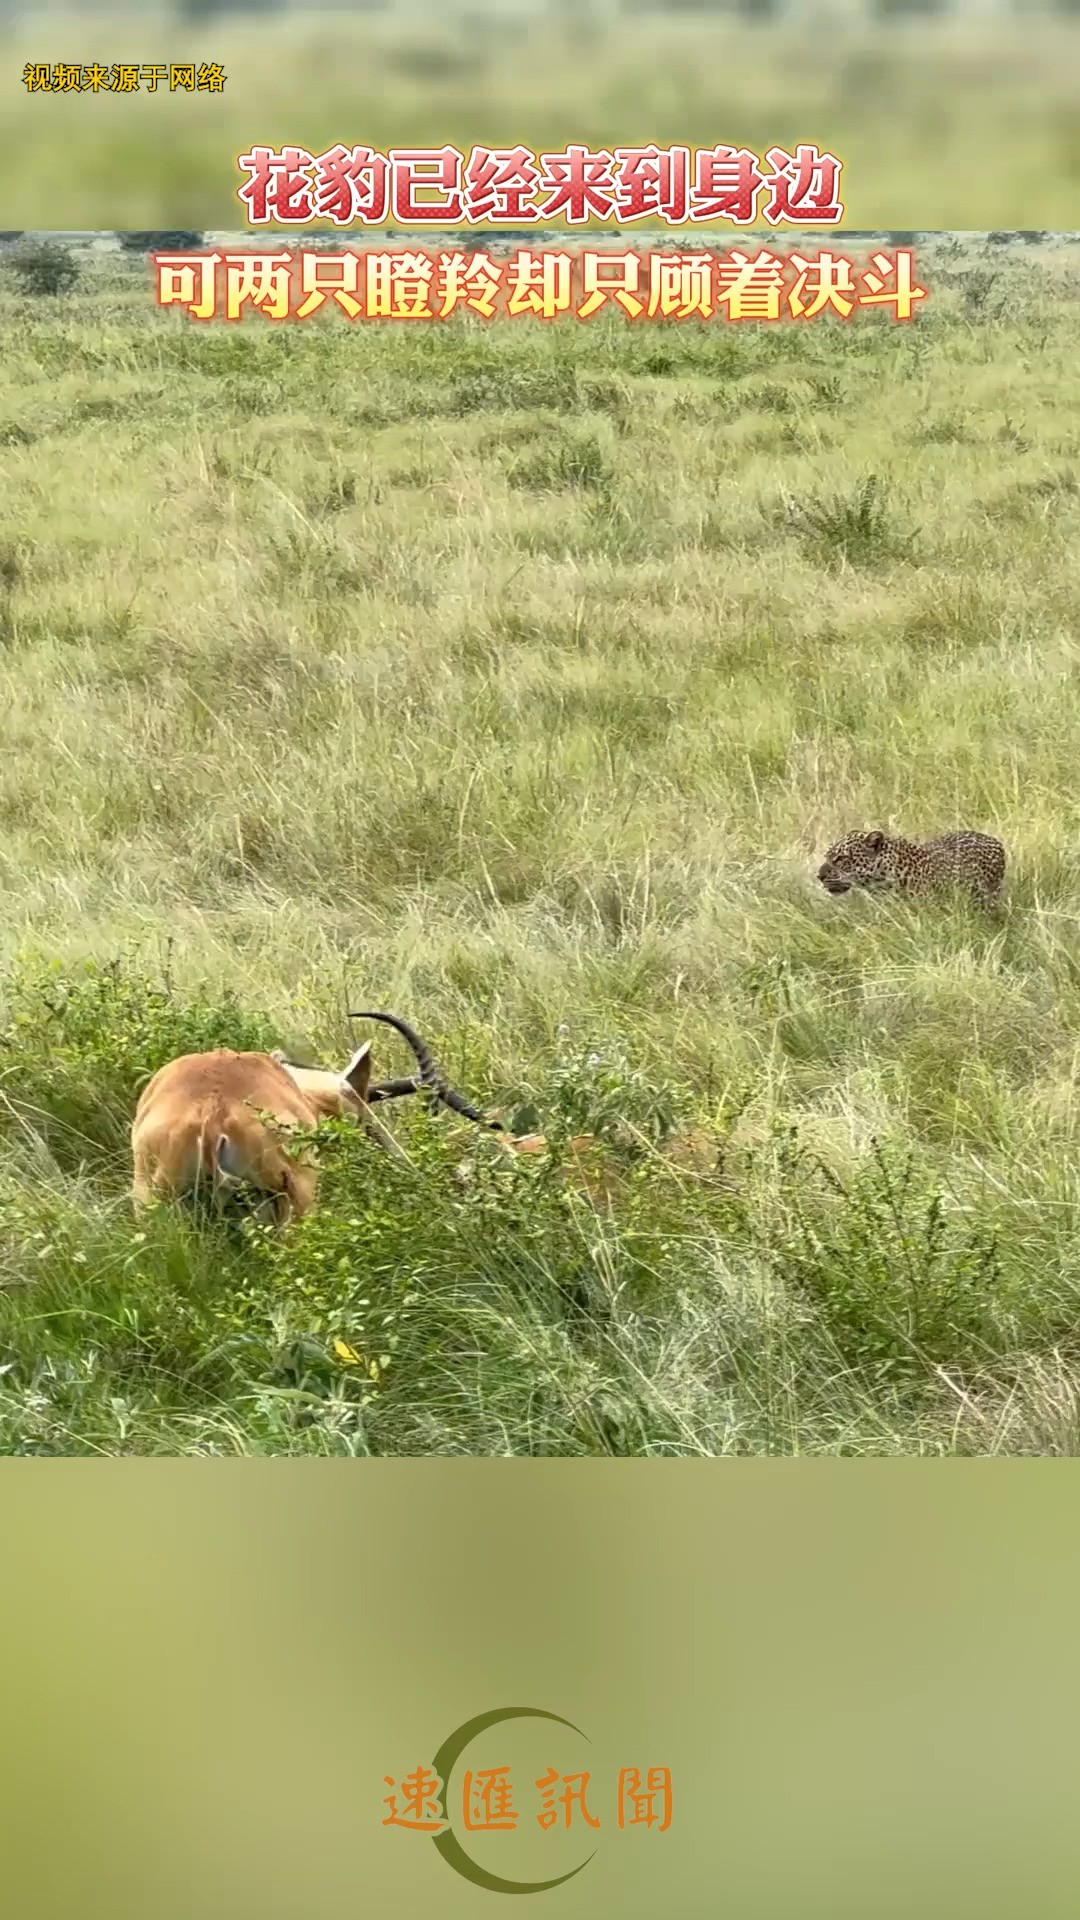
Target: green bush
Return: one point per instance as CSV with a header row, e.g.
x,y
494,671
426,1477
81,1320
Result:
x,y
77,1044
902,1285
44,267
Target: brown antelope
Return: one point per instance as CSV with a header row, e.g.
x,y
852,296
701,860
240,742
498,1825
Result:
x,y
216,1120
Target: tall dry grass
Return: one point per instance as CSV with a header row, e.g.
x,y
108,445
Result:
x,y
487,674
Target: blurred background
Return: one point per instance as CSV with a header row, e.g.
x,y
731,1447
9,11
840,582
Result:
x,y
862,1691
946,113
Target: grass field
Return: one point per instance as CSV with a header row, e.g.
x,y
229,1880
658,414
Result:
x,y
487,674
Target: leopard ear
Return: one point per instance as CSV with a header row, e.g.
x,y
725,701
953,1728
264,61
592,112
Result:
x,y
875,841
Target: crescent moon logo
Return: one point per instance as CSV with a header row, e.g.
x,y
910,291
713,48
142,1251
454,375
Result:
x,y
447,1842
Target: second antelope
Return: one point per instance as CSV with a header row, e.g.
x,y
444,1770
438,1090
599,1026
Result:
x,y
215,1121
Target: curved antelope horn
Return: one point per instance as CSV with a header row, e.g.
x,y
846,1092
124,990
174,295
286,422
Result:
x,y
394,1089
380,1090
432,1079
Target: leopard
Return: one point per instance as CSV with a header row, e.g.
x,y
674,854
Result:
x,y
973,862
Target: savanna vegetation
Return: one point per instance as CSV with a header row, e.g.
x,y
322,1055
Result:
x,y
514,677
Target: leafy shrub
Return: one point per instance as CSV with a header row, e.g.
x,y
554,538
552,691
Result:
x,y
44,267
407,1283
857,527
901,1287
77,1045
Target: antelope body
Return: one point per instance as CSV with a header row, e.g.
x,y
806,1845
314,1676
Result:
x,y
221,1121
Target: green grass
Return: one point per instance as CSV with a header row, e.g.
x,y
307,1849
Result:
x,y
515,677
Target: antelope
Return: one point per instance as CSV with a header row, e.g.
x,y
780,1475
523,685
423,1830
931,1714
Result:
x,y
200,1121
